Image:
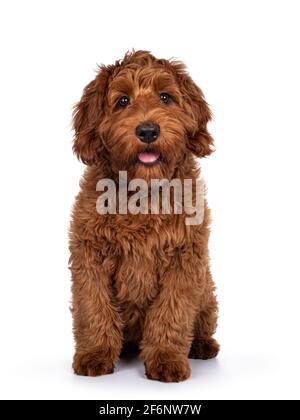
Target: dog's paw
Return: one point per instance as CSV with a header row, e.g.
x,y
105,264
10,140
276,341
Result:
x,y
204,349
168,369
92,364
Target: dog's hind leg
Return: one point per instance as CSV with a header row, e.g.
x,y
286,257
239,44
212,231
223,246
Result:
x,y
204,346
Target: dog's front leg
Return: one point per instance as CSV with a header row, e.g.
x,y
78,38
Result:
x,y
169,323
96,321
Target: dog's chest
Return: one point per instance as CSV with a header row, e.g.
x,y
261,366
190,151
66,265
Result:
x,y
142,259
137,277
145,247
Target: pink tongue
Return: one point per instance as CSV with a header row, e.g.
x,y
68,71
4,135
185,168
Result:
x,y
148,157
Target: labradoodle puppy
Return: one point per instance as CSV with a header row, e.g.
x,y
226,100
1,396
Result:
x,y
141,279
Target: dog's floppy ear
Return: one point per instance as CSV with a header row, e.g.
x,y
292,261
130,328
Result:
x,y
199,141
86,119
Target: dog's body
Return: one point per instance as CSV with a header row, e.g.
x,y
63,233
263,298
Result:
x,y
141,279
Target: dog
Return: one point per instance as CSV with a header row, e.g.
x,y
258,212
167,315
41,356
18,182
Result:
x,y
141,280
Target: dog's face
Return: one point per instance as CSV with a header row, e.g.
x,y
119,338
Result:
x,y
145,115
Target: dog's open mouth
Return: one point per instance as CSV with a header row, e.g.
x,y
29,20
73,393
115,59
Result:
x,y
148,157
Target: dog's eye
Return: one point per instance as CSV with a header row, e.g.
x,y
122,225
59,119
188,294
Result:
x,y
123,101
165,97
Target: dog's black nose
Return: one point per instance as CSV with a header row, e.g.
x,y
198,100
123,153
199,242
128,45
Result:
x,y
147,132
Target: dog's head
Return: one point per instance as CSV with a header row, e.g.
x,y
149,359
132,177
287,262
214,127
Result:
x,y
144,114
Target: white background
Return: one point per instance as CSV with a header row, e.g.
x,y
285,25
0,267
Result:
x,y
245,56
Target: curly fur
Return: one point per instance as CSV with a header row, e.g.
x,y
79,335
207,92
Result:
x,y
140,280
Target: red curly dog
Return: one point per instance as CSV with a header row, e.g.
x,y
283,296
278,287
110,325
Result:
x,y
141,280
